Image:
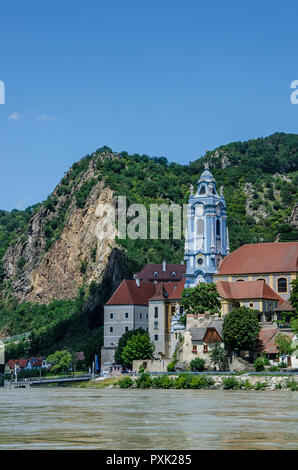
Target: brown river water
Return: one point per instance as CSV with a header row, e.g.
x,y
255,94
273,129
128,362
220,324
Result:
x,y
73,418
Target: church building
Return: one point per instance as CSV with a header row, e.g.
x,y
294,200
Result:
x,y
207,239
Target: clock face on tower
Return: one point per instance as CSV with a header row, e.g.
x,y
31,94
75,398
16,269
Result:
x,y
199,209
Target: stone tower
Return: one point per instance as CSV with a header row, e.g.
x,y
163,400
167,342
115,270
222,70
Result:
x,y
207,239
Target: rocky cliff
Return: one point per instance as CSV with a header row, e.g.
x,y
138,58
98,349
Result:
x,y
40,271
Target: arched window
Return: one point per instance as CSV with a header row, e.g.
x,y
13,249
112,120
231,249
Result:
x,y
202,190
261,279
173,274
200,227
155,274
240,280
282,285
218,227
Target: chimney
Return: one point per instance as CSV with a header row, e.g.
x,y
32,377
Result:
x,y
138,282
164,266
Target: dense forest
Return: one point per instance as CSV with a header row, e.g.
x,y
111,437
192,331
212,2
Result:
x,y
260,180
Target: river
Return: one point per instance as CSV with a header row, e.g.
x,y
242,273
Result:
x,y
74,418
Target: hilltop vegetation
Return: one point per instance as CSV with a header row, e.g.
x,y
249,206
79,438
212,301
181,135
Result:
x,y
260,179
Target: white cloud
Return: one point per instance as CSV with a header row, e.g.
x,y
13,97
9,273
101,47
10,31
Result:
x,y
46,117
16,116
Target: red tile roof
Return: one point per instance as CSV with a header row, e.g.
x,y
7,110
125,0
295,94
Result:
x,y
147,273
22,363
284,306
169,290
246,290
261,258
128,293
267,340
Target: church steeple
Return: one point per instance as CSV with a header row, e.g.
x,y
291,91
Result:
x,y
206,236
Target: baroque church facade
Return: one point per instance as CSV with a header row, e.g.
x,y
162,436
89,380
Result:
x,y
207,237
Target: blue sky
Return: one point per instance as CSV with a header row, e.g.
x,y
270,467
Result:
x,y
161,77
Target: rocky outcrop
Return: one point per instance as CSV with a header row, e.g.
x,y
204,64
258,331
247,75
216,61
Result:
x,y
76,257
292,220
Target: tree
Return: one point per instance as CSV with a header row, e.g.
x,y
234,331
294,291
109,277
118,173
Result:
x,y
219,357
283,343
60,360
197,364
241,329
138,347
93,347
122,343
200,299
294,295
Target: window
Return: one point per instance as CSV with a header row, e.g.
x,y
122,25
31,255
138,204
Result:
x,y
261,279
205,348
155,337
111,329
240,280
173,309
212,261
155,312
126,314
147,316
251,305
141,315
194,348
282,285
203,190
200,260
218,228
126,329
200,227
156,325
173,274
155,274
111,315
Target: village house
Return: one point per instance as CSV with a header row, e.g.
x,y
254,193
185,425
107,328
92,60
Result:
x,y
25,364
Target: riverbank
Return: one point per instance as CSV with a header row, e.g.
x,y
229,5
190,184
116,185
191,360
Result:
x,y
188,381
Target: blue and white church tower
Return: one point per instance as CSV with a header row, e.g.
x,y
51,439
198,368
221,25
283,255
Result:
x,y
206,238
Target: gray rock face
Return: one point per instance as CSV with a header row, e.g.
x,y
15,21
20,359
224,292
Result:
x,y
77,256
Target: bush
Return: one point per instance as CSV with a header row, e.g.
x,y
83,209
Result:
x,y
247,385
171,366
197,364
183,381
162,382
201,381
273,369
259,364
282,365
266,361
230,383
125,382
278,386
141,369
144,380
292,384
261,385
